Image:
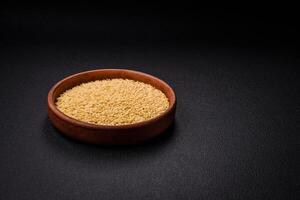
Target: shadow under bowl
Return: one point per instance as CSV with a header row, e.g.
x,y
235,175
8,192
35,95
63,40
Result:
x,y
105,134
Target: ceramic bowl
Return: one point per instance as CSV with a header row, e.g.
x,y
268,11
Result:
x,y
110,135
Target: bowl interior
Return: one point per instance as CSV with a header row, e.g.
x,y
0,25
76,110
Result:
x,y
88,76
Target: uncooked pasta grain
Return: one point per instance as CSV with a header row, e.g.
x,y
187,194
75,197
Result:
x,y
113,102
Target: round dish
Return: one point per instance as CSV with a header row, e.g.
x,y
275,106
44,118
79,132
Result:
x,y
110,135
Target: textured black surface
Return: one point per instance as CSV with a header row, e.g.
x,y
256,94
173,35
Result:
x,y
236,134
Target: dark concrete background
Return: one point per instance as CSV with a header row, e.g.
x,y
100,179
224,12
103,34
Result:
x,y
236,77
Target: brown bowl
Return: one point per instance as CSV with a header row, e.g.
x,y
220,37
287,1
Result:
x,y
103,134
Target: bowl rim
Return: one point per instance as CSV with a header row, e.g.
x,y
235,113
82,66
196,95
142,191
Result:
x,y
75,122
